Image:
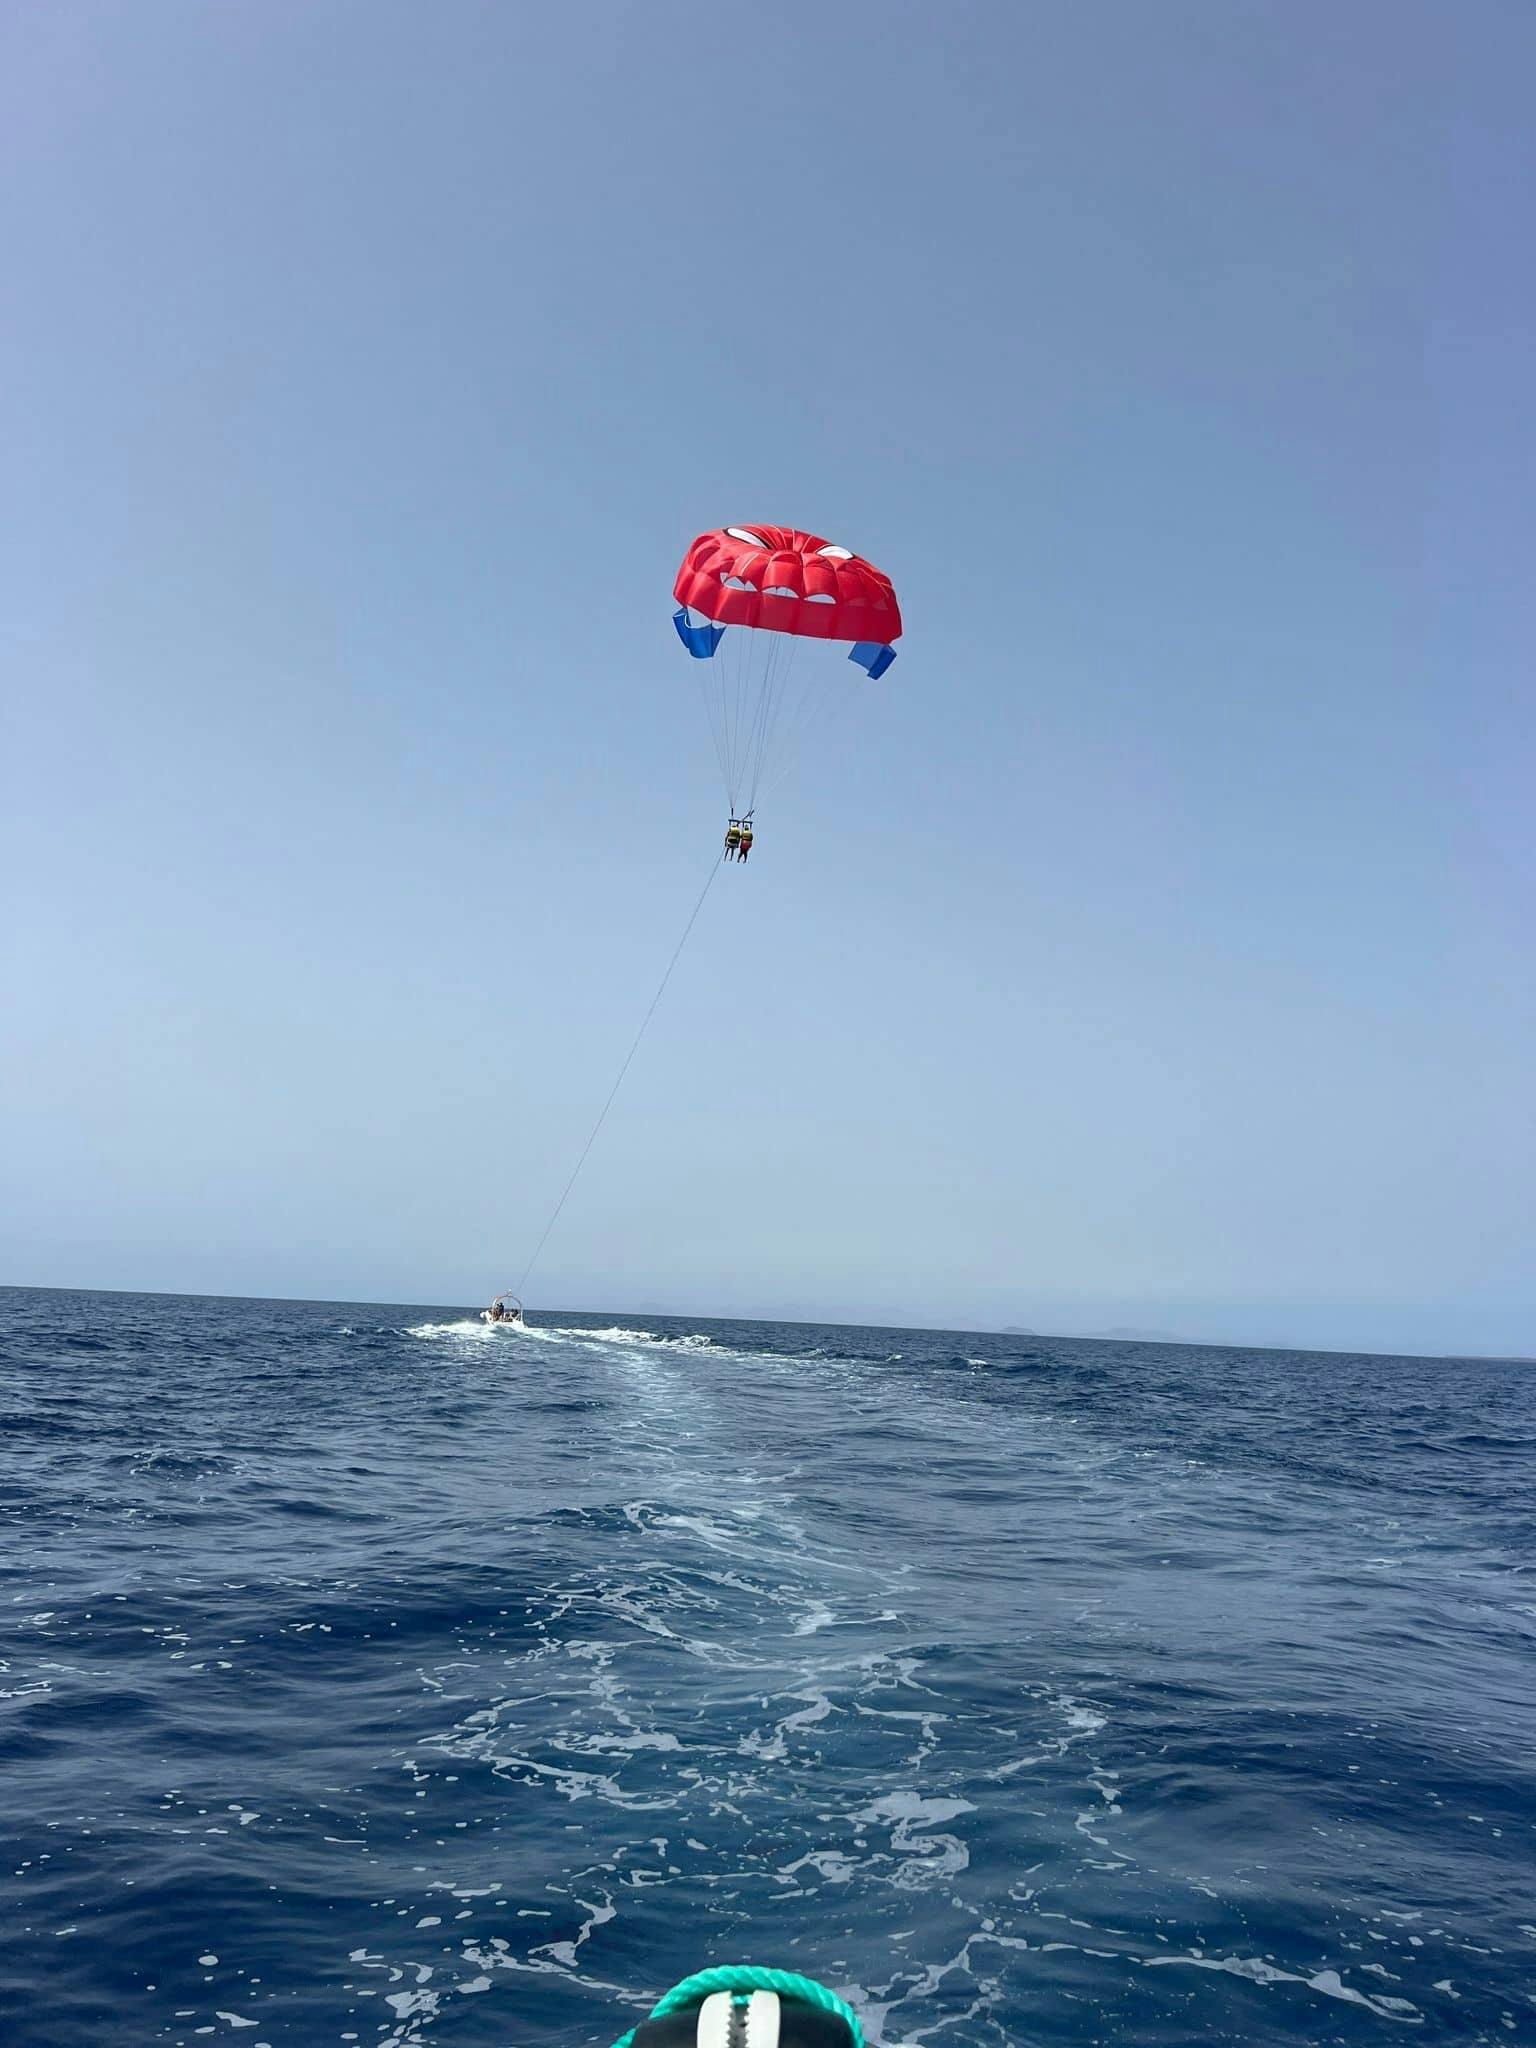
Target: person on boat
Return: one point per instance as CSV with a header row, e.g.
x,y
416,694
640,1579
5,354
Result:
x,y
746,842
732,838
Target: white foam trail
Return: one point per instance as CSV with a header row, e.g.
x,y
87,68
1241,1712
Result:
x,y
691,1340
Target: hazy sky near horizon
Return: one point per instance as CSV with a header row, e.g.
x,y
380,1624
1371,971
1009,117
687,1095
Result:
x,y
1155,949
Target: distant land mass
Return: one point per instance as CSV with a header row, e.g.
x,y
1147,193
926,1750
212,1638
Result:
x,y
1134,1336
1102,1336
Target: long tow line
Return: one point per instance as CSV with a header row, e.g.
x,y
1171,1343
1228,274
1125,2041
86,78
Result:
x,y
715,865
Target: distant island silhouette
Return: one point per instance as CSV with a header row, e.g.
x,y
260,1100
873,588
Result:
x,y
1103,1336
1137,1336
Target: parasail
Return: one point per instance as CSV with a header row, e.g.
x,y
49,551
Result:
x,y
747,598
761,591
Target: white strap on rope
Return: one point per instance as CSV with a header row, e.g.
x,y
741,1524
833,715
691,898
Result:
x,y
714,2023
763,2020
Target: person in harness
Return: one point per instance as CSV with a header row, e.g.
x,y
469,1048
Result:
x,y
745,839
732,838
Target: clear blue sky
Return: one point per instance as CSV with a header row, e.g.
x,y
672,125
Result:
x,y
1156,951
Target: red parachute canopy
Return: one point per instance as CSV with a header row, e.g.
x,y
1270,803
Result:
x,y
786,581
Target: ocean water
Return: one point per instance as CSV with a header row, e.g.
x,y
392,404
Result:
x,y
373,1676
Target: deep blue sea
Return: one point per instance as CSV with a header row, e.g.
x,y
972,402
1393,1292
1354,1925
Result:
x,y
373,1676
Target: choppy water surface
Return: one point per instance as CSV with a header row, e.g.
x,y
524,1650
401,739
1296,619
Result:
x,y
370,1675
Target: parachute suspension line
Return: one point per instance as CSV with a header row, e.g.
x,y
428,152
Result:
x,y
707,686
819,710
715,865
757,739
727,665
741,674
759,701
775,700
760,663
748,685
741,679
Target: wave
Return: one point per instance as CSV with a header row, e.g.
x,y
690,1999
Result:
x,y
690,1340
474,1328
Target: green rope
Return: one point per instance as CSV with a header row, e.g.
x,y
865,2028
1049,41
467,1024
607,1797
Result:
x,y
743,1977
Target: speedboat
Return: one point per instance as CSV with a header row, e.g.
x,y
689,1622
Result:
x,y
507,1310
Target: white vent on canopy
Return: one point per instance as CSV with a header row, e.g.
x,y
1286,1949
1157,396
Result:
x,y
837,554
753,540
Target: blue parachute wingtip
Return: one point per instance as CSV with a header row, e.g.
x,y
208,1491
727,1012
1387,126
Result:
x,y
700,641
870,655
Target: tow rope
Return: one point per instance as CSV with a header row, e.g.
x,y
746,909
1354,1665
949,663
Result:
x,y
661,989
